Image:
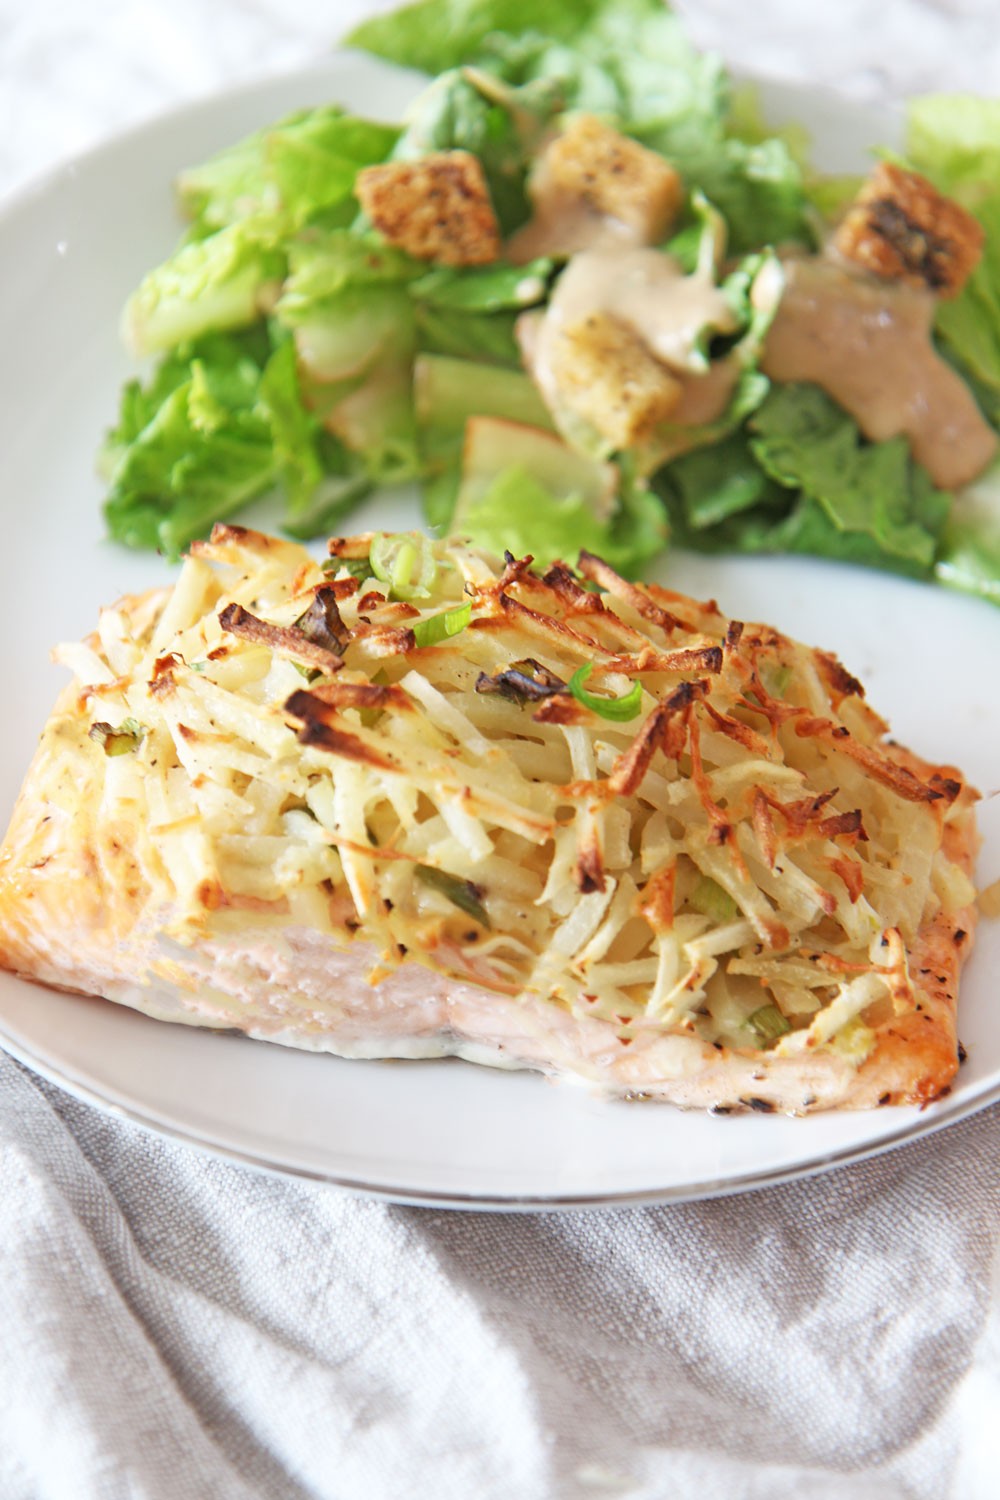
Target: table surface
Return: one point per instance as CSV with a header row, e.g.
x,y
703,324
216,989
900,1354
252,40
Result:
x,y
175,1326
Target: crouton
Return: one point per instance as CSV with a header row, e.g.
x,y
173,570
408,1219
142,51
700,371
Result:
x,y
607,378
900,227
436,208
612,176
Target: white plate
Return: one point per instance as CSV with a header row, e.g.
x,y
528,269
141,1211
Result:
x,y
428,1132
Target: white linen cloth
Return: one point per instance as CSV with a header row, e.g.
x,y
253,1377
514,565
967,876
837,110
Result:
x,y
177,1328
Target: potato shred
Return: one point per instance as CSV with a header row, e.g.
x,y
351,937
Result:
x,y
567,787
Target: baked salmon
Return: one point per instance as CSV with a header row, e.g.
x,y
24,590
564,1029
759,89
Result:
x,y
416,801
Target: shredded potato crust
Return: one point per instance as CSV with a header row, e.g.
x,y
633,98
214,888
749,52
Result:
x,y
749,845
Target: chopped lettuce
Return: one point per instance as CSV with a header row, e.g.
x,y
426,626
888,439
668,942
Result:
x,y
432,35
355,352
219,423
627,59
479,336
294,431
226,280
298,352
520,514
873,490
484,289
715,482
325,262
343,487
300,166
969,552
468,111
204,449
244,204
797,476
447,392
955,141
803,480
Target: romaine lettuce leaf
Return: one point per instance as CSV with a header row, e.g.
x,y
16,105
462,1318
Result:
x,y
713,483
226,280
628,59
322,263
876,491
355,353
471,313
488,337
447,392
520,514
465,111
335,497
758,188
178,477
376,422
433,35
247,203
969,552
800,478
484,289
954,139
640,68
304,164
339,337
220,422
294,431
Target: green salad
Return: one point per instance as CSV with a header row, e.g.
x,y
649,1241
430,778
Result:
x,y
300,343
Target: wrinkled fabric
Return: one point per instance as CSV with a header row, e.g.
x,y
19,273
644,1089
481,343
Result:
x,y
174,1326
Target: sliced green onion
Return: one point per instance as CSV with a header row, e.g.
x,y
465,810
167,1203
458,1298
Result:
x,y
437,628
405,561
618,709
356,567
767,1024
711,900
124,740
461,893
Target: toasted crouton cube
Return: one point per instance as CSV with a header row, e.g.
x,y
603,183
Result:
x,y
436,208
612,176
606,376
901,227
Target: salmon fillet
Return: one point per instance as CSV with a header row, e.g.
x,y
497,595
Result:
x,y
283,799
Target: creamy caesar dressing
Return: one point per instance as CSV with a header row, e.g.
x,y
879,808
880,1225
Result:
x,y
705,398
666,312
868,345
563,224
648,290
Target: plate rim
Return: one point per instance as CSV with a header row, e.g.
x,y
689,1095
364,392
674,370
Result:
x,y
915,1130
51,180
